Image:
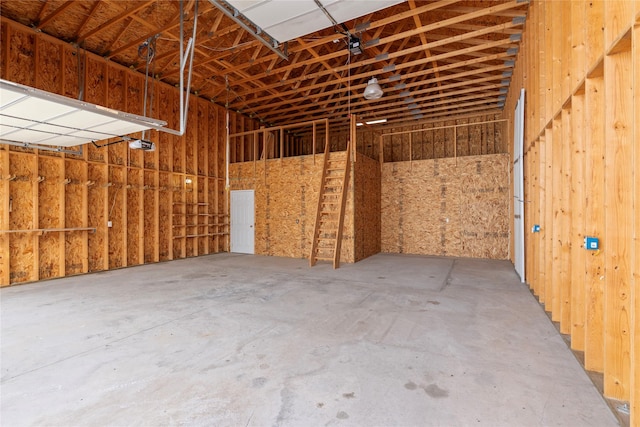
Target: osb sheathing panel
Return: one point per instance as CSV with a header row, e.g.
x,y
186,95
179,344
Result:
x,y
21,57
134,104
203,137
286,200
75,172
38,60
118,231
454,207
97,195
50,62
72,65
4,216
150,209
23,192
50,215
190,138
164,216
367,219
134,212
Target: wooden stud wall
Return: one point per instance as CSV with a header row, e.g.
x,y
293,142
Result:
x,y
56,208
474,136
452,207
579,65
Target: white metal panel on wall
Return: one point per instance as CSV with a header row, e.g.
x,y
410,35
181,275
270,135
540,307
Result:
x,y
518,186
242,221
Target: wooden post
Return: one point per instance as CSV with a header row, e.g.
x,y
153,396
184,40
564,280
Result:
x,y
565,224
578,254
594,220
619,106
635,288
556,182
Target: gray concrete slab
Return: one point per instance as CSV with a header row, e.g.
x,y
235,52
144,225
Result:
x,y
236,340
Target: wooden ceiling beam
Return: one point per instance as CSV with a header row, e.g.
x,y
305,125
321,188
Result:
x,y
90,15
64,6
114,20
402,53
171,24
382,22
458,75
367,75
423,39
295,112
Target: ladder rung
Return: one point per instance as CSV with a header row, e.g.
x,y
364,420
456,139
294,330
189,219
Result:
x,y
323,259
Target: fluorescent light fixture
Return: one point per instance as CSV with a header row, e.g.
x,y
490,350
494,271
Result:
x,y
359,124
375,122
34,116
373,90
288,20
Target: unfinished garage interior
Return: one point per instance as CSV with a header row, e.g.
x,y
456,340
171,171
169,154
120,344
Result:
x,y
320,212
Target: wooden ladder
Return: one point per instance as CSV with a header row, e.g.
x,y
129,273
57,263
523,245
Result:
x,y
332,199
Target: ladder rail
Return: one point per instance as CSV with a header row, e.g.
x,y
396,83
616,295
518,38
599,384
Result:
x,y
343,202
314,240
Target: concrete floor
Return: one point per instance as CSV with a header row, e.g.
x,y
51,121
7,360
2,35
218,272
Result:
x,y
237,340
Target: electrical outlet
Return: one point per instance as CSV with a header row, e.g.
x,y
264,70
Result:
x,y
591,243
535,228
109,224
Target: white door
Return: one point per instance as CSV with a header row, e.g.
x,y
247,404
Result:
x,y
518,186
242,219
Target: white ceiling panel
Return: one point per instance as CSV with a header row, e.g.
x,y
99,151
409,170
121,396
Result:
x,y
33,116
288,19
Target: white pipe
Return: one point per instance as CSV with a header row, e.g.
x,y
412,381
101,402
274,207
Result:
x,y
185,54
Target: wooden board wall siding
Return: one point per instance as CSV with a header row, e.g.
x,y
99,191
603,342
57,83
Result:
x,y
286,198
134,190
438,207
584,91
367,208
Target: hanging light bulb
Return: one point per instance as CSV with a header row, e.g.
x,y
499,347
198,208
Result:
x,y
373,90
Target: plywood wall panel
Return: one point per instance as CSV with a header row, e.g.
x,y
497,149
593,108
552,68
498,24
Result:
x,y
50,62
100,176
367,214
5,204
286,200
422,206
151,217
117,214
23,196
72,66
165,233
134,97
51,215
21,62
134,219
75,216
97,217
